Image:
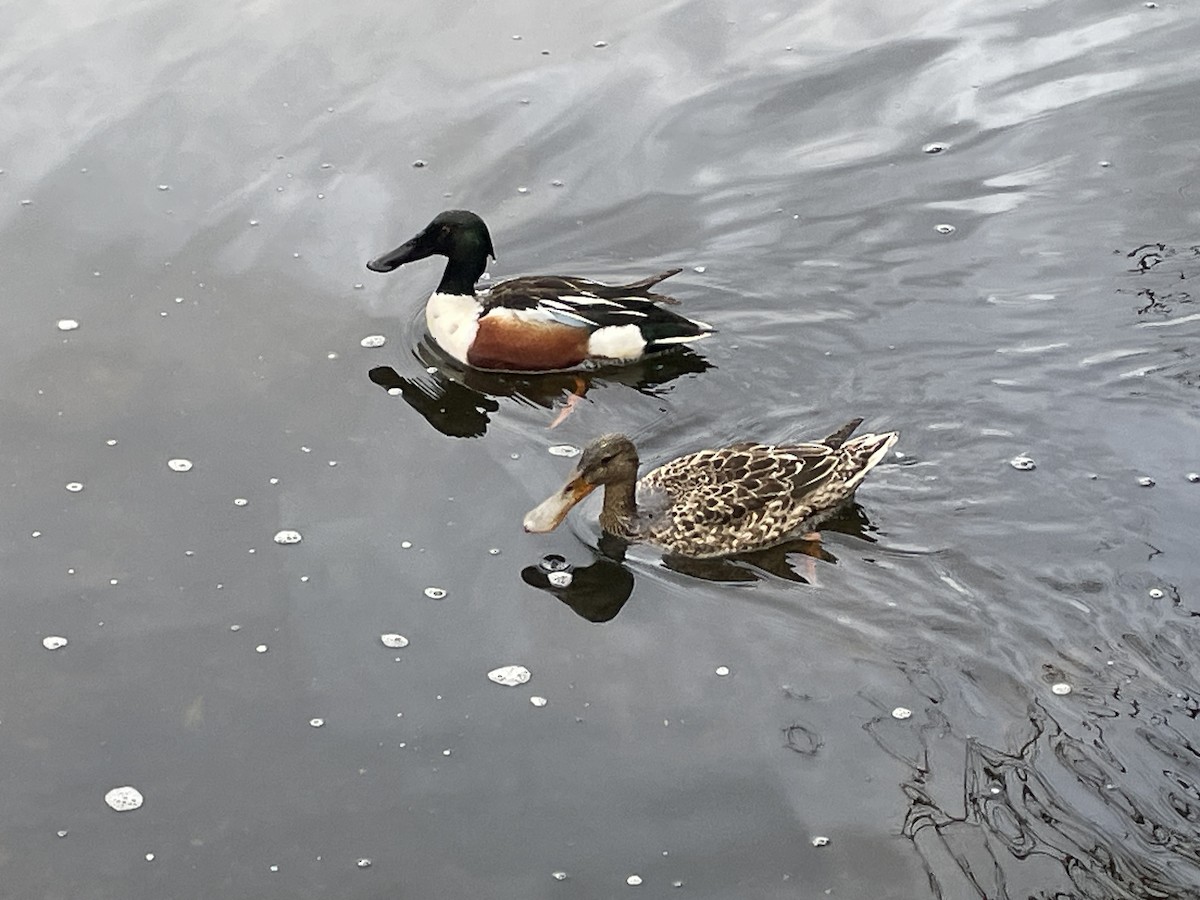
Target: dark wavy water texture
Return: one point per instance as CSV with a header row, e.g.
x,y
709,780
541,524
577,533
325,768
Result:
x,y
974,222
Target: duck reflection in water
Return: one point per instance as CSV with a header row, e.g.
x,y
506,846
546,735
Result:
x,y
503,339
598,591
459,401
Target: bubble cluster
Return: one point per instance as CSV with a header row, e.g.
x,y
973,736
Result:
x,y
560,579
510,676
124,798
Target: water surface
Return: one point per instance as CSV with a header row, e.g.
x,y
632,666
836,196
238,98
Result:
x,y
204,186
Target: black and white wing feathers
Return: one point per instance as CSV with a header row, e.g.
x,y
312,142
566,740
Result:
x,y
594,305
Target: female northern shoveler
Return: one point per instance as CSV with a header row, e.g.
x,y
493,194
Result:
x,y
719,502
537,322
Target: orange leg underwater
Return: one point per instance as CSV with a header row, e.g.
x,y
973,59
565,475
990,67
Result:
x,y
572,400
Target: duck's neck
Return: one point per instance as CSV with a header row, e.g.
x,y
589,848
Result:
x,y
460,276
619,512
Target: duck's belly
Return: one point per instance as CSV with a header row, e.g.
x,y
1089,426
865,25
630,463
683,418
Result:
x,y
453,320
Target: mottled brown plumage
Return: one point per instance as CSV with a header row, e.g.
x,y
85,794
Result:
x,y
723,501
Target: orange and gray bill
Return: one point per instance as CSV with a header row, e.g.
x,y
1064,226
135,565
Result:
x,y
548,514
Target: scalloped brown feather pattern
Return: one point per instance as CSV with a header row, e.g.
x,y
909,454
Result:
x,y
750,496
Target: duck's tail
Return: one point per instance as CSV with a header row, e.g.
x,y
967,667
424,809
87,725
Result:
x,y
642,288
646,283
865,452
838,437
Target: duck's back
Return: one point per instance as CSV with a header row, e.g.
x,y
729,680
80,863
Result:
x,y
749,496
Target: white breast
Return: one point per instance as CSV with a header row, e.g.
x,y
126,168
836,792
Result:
x,y
453,320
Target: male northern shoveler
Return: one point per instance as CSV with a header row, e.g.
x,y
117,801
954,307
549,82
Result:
x,y
734,499
536,322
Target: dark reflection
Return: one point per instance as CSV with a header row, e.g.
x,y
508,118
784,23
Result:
x,y
780,560
774,560
598,591
459,401
803,739
1162,276
1149,256
452,408
1013,809
1170,269
1117,817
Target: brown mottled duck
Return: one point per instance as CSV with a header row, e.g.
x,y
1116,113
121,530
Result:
x,y
719,502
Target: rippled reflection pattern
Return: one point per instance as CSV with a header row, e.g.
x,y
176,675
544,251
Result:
x,y
597,592
783,153
1161,276
1066,803
460,402
1169,270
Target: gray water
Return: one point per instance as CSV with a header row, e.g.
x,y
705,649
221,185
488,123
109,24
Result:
x,y
777,153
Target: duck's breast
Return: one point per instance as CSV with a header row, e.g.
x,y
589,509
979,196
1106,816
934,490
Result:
x,y
453,320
